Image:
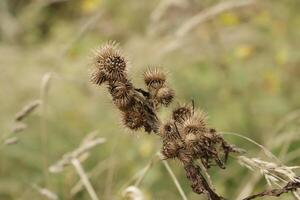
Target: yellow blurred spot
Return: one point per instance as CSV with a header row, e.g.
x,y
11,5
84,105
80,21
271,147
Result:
x,y
146,148
88,6
244,51
229,19
281,57
271,82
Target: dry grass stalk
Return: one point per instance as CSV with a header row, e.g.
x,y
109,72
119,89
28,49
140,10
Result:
x,y
133,193
12,137
178,40
87,144
162,8
279,175
45,192
11,141
90,141
84,179
27,109
18,127
95,172
45,86
194,21
267,152
175,180
274,174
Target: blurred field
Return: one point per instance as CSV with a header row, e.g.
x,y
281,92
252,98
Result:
x,y
242,66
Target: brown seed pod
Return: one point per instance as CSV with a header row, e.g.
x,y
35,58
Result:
x,y
165,96
108,64
122,94
170,149
154,78
196,124
182,113
169,132
97,76
190,139
133,119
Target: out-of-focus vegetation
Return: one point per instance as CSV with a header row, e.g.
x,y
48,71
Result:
x,y
242,66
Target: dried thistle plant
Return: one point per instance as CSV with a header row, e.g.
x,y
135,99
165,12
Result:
x,y
186,136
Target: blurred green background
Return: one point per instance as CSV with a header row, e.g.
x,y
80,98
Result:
x,y
241,65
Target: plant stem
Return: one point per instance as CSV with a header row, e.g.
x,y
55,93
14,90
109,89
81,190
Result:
x,y
174,180
85,180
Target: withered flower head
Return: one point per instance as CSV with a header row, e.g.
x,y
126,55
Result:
x,y
170,149
122,94
196,124
189,138
154,78
133,119
169,132
182,113
165,96
108,64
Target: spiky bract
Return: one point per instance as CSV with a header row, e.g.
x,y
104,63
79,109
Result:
x,y
154,78
165,96
109,64
182,113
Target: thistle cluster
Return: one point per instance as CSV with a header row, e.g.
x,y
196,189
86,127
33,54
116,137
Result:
x,y
138,107
185,137
188,137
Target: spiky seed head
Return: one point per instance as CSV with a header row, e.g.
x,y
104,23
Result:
x,y
122,93
165,96
170,149
196,124
182,113
154,78
108,64
133,119
169,132
97,76
190,138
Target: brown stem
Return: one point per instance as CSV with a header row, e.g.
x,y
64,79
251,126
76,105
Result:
x,y
199,183
291,186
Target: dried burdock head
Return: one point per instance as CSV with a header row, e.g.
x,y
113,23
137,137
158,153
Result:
x,y
182,113
122,94
190,139
109,64
97,76
170,149
172,141
195,124
154,78
133,119
165,96
169,131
